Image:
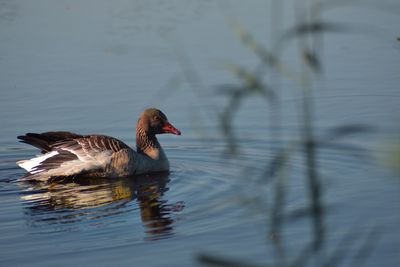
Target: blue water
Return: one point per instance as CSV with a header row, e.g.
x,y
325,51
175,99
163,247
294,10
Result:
x,y
93,66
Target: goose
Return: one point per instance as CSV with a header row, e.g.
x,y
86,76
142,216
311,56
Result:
x,y
66,154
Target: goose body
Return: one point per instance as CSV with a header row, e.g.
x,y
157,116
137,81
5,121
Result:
x,y
66,154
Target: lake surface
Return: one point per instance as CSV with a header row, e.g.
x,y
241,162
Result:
x,y
93,66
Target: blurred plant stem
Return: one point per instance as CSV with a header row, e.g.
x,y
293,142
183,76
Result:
x,y
265,81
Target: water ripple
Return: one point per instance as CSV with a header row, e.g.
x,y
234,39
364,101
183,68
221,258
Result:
x,y
203,192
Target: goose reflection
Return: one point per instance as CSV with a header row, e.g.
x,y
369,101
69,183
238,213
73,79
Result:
x,y
66,202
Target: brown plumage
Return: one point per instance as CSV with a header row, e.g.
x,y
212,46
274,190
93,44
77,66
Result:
x,y
70,154
44,141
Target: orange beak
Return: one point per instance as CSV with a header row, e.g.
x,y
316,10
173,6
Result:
x,y
168,128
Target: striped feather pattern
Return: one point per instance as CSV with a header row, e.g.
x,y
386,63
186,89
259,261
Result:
x,y
45,141
87,153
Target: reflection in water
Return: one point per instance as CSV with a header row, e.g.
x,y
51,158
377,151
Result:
x,y
74,201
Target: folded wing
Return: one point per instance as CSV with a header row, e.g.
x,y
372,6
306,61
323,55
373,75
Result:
x,y
69,154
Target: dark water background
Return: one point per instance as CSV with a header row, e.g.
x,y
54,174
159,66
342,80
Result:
x,y
93,66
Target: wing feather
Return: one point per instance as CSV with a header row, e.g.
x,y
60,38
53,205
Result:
x,y
45,141
76,155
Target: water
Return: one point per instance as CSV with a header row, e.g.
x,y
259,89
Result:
x,y
93,66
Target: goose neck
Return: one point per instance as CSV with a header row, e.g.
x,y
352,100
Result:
x,y
146,141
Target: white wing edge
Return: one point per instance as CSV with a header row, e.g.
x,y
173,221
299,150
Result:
x,y
30,164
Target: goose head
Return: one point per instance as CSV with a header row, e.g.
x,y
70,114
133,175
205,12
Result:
x,y
153,121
